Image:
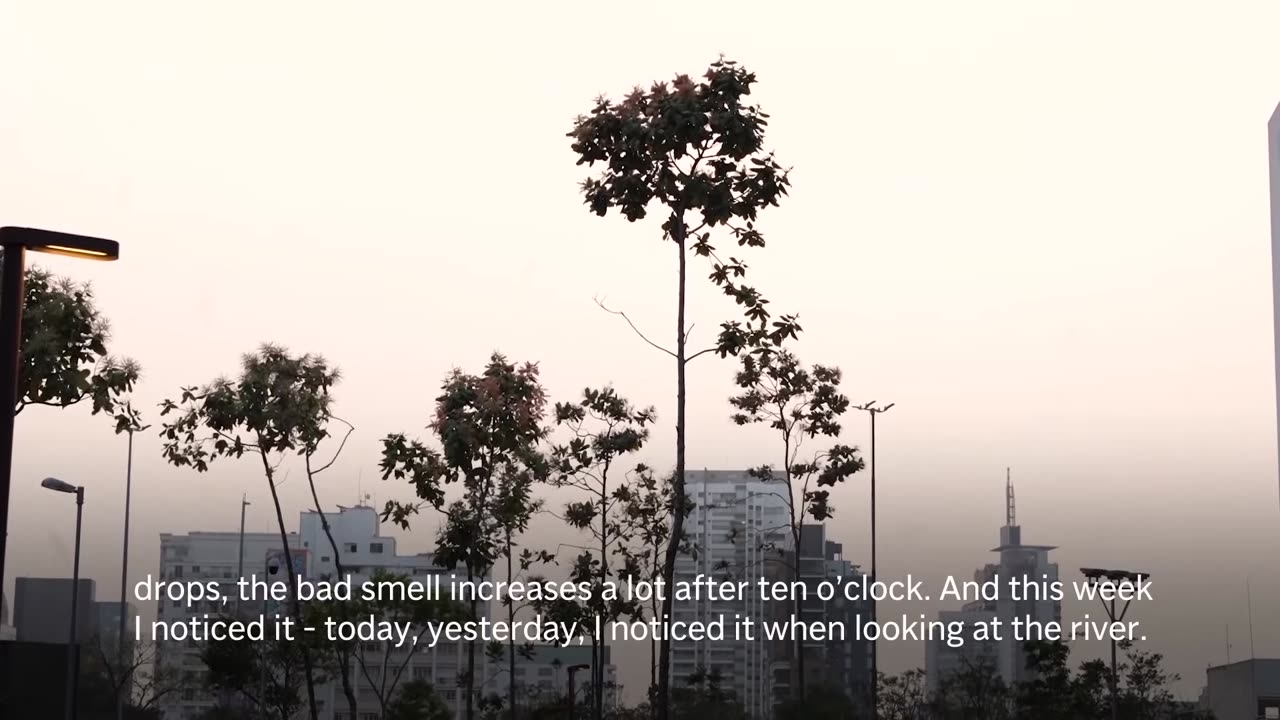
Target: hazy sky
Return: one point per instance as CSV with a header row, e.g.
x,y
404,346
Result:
x,y
1042,231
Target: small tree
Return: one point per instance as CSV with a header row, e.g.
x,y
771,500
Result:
x,y
384,669
279,406
265,674
798,404
418,700
647,505
695,149
973,692
488,425
903,697
603,427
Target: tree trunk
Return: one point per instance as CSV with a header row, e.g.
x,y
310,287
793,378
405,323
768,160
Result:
x,y
511,640
663,700
470,684
295,606
344,657
604,578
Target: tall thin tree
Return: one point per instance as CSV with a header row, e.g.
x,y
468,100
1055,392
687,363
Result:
x,y
696,150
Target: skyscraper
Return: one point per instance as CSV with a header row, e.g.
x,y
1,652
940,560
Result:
x,y
1273,142
739,529
1018,562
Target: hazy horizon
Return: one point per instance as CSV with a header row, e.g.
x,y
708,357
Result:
x,y
1042,233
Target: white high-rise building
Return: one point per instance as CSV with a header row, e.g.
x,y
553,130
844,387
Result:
x,y
1025,563
738,527
363,552
1273,135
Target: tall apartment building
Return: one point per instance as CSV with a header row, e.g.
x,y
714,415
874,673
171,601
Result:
x,y
1007,657
215,556
739,529
838,664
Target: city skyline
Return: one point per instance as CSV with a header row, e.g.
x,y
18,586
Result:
x,y
1061,262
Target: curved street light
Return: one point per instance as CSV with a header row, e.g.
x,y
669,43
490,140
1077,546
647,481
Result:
x,y
73,675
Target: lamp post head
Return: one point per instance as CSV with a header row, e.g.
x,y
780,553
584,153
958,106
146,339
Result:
x,y
57,243
58,485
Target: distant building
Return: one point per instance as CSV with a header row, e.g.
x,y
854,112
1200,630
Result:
x,y
1007,657
739,528
107,625
363,551
1246,690
42,610
843,665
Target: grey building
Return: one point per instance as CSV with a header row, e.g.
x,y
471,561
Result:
x,y
107,624
1246,690
42,610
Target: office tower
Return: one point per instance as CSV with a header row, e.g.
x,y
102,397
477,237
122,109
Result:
x,y
837,664
1273,143
1026,564
738,527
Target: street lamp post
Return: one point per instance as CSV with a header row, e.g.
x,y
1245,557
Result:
x,y
871,409
15,242
73,674
1119,582
573,702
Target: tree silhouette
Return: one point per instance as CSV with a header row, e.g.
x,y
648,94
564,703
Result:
x,y
696,150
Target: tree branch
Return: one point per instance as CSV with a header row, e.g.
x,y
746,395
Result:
x,y
633,326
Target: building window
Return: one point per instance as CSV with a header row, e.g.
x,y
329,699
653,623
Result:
x,y
350,547
194,569
375,548
177,571
542,671
323,558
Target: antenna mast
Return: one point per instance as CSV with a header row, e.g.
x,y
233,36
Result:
x,y
1010,509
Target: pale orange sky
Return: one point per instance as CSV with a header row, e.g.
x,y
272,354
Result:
x,y
1042,232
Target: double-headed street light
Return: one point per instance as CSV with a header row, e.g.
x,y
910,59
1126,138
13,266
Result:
x,y
871,409
73,674
1116,583
15,242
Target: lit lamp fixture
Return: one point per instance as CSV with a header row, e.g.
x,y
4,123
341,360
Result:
x,y
16,241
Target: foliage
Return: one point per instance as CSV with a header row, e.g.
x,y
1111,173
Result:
x,y
800,404
267,674
695,149
64,348
603,427
703,698
903,697
821,702
489,427
382,671
417,700
104,676
279,406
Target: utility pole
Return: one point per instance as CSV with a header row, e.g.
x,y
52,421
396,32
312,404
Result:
x,y
873,411
244,503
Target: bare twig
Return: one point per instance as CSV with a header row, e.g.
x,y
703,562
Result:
x,y
623,315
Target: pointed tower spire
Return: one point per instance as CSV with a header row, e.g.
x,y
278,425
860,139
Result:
x,y
1010,510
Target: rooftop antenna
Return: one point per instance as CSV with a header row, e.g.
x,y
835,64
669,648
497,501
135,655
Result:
x,y
1010,509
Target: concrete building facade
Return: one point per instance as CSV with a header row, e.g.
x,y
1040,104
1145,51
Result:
x,y
739,528
1247,690
42,610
